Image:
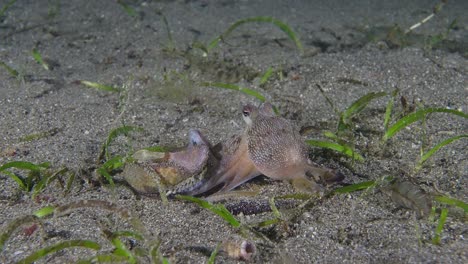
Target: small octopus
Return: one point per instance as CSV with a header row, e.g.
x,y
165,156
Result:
x,y
270,146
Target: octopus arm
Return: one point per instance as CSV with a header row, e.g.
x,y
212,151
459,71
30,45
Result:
x,y
234,169
242,171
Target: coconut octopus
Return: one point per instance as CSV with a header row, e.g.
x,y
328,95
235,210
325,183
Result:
x,y
270,145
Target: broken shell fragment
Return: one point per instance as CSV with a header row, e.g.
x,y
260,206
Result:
x,y
141,179
179,172
145,155
411,196
239,249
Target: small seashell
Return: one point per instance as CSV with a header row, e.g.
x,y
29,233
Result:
x,y
411,196
239,249
181,171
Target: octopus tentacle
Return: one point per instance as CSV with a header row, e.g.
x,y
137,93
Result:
x,y
233,169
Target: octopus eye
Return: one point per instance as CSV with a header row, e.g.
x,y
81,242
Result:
x,y
195,137
247,110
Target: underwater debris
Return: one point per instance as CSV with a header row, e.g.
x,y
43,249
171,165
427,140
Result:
x,y
410,196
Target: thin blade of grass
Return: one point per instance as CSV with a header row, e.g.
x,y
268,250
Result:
x,y
120,248
123,97
218,209
236,88
240,89
36,136
69,183
46,180
212,259
418,115
18,179
24,183
38,58
357,107
10,70
171,45
113,134
328,99
128,9
264,19
106,205
31,179
99,86
5,7
266,75
201,46
344,149
360,104
355,187
123,130
433,150
389,109
452,201
274,209
112,164
155,253
106,176
59,246
54,9
45,211
25,165
331,135
440,226
127,233
269,222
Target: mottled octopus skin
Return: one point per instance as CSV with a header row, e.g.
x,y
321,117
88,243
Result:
x,y
234,168
270,145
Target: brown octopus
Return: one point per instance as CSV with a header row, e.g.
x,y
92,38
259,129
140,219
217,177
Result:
x,y
270,145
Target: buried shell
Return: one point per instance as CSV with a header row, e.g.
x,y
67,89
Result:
x,y
180,172
239,249
411,196
142,178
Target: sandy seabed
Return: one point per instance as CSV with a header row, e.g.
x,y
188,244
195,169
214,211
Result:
x,y
350,50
